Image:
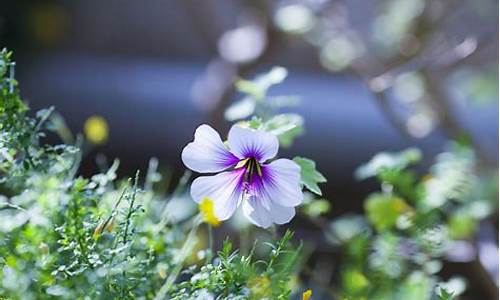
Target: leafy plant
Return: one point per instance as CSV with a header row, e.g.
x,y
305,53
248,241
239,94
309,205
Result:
x,y
68,237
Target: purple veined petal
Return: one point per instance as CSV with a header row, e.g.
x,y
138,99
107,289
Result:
x,y
224,189
262,217
207,153
248,143
279,184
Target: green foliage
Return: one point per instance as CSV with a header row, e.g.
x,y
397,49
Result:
x,y
314,207
256,100
383,210
264,108
69,237
385,161
445,295
236,276
396,250
286,127
19,136
310,177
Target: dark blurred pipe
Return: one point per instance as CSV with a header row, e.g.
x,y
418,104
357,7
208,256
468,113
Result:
x,y
147,104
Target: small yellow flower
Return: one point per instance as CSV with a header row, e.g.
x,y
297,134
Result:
x,y
260,286
96,130
206,208
306,295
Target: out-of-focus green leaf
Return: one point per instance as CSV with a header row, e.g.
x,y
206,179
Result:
x,y
452,288
417,286
242,109
257,102
316,207
286,127
354,281
258,87
461,225
255,123
445,295
386,161
345,228
386,257
310,177
384,210
250,88
452,178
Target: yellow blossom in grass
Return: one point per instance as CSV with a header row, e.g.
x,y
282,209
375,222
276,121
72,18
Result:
x,y
306,295
260,287
206,208
96,130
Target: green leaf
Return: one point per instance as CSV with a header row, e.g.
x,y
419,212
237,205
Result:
x,y
416,286
250,88
286,127
255,123
388,161
257,88
384,210
310,177
317,207
354,281
275,76
443,294
240,110
346,228
461,225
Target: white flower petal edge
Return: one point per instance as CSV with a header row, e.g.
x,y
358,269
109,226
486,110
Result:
x,y
260,216
246,142
207,153
224,189
280,183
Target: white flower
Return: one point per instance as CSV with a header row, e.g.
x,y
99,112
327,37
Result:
x,y
268,192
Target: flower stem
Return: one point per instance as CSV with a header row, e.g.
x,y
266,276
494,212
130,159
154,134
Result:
x,y
210,244
186,249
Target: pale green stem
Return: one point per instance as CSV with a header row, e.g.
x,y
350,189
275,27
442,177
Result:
x,y
210,244
186,249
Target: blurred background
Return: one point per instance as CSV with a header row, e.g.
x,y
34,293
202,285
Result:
x,y
372,76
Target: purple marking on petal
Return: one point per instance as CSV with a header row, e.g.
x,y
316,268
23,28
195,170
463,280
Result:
x,y
207,153
224,189
279,184
248,143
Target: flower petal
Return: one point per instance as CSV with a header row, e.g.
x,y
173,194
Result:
x,y
225,190
262,217
207,153
279,184
248,143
